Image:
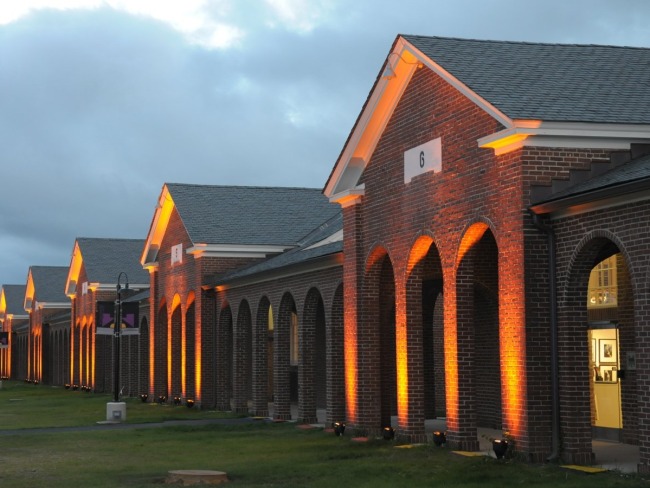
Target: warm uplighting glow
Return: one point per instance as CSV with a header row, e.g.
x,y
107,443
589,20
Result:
x,y
350,353
401,351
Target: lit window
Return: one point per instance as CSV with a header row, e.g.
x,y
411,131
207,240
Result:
x,y
294,340
603,284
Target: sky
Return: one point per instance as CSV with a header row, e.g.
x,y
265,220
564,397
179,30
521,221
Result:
x,y
103,101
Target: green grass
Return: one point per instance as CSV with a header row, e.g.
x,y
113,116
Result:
x,y
29,406
257,454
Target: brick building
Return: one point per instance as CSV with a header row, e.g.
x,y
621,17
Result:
x,y
49,324
14,321
91,281
451,183
200,232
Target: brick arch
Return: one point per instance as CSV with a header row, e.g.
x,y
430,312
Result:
x,y
573,346
424,336
472,234
587,248
262,359
474,342
243,357
283,375
377,354
175,348
225,357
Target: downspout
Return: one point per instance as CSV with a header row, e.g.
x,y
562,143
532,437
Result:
x,y
552,292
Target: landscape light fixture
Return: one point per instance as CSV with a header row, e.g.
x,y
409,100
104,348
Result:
x,y
439,438
339,428
189,403
500,446
389,433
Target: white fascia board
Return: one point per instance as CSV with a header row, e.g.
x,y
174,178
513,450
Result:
x,y
349,197
528,133
113,286
375,116
42,305
235,250
12,316
336,237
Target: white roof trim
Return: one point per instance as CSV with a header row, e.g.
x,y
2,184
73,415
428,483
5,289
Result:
x,y
381,104
42,305
350,197
336,237
235,250
113,286
525,133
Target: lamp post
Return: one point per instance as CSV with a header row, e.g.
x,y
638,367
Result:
x,y
117,333
116,410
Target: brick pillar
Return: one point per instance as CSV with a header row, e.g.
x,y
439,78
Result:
x,y
463,435
334,338
242,359
260,360
281,360
306,367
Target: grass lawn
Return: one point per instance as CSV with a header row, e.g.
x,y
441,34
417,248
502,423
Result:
x,y
256,454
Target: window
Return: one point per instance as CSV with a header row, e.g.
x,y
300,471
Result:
x,y
603,284
293,346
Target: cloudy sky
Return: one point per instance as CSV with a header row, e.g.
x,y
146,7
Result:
x,y
102,101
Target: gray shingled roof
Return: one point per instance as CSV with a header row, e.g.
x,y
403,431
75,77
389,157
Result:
x,y
250,215
298,254
633,171
552,82
49,283
104,259
15,296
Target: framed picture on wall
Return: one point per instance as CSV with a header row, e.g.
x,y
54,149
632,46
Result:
x,y
607,351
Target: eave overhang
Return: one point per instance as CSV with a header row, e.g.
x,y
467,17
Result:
x,y
317,264
589,201
538,133
157,229
404,59
235,250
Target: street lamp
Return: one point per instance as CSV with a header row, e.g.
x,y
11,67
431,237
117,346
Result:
x,y
117,334
116,410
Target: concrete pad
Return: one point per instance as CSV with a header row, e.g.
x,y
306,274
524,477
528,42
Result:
x,y
188,477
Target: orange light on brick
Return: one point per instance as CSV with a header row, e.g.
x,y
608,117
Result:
x,y
401,351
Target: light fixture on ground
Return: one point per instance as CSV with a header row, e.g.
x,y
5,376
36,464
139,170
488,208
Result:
x,y
339,428
388,433
500,446
439,438
116,410
189,402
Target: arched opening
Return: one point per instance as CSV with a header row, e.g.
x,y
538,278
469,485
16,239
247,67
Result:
x,y
478,338
425,326
176,349
286,358
312,367
597,350
378,362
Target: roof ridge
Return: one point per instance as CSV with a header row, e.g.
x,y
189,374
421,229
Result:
x,y
530,43
252,187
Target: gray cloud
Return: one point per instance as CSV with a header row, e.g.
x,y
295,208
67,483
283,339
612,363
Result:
x,y
98,108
